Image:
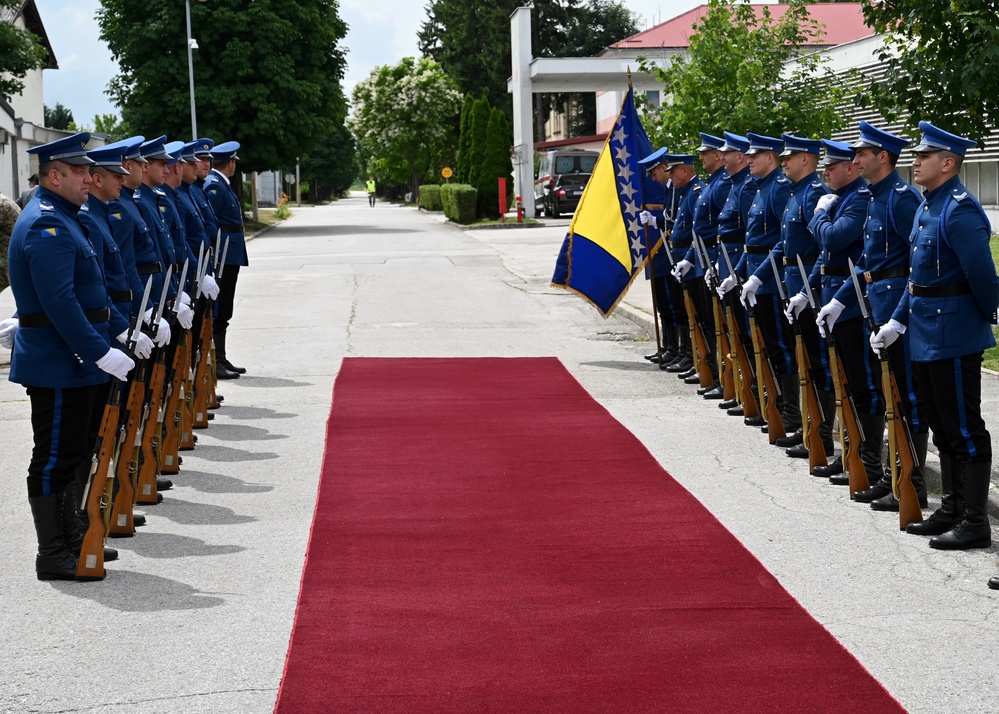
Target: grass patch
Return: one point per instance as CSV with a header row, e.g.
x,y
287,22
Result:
x,y
268,217
490,222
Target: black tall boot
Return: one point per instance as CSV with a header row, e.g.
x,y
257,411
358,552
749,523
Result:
x,y
889,502
54,561
790,389
73,525
685,358
951,503
222,369
827,403
972,529
870,453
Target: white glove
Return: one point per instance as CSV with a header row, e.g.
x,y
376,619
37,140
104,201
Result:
x,y
828,315
709,275
147,316
726,285
827,202
8,328
163,334
185,298
645,218
795,305
116,363
209,287
749,289
681,269
143,345
185,315
888,333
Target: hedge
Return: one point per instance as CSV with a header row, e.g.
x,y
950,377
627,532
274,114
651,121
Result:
x,y
459,200
430,197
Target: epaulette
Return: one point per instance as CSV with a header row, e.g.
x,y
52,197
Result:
x,y
782,179
159,192
46,207
960,196
865,189
816,184
903,188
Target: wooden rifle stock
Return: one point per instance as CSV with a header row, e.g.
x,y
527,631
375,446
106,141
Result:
x,y
202,378
901,470
169,461
849,422
810,409
697,339
126,460
152,436
97,495
725,356
186,404
744,387
766,380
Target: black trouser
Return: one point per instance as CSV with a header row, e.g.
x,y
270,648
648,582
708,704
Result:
x,y
862,374
705,318
227,293
951,392
664,302
64,424
780,348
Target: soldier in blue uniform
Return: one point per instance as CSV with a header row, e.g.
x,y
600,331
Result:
x,y
172,211
196,225
838,226
65,347
884,265
952,294
229,213
762,234
202,151
732,235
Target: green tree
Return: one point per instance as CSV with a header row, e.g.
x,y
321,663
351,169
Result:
x,y
331,166
942,62
495,164
58,117
478,126
735,78
464,136
267,73
20,52
406,120
111,125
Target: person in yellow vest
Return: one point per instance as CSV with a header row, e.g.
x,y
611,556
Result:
x,y
371,191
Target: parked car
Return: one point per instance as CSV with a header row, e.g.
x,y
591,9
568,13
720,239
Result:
x,y
565,194
557,163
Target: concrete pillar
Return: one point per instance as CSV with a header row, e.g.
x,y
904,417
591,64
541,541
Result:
x,y
523,108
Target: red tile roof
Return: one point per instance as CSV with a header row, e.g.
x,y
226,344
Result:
x,y
844,22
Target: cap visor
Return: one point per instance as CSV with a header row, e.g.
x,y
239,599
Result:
x,y
922,148
82,160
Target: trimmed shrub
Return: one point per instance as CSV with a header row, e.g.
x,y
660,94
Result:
x,y
458,201
430,197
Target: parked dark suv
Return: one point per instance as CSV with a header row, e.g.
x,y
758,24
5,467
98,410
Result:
x,y
560,162
565,194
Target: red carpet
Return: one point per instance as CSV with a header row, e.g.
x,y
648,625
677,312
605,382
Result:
x,y
488,538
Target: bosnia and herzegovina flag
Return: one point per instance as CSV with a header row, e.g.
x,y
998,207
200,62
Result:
x,y
605,247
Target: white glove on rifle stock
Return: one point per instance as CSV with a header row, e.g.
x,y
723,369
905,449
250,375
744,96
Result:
x,y
749,289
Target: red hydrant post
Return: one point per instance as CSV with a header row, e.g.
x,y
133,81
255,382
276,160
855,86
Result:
x,y
502,199
520,210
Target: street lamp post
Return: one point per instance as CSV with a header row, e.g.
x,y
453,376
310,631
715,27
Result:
x,y
191,46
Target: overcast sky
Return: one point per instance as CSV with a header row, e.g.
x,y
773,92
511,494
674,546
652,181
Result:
x,y
381,32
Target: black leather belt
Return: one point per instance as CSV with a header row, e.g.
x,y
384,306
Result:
x,y
939,290
837,270
121,296
231,229
149,268
734,240
758,249
875,275
680,243
793,262
710,243
42,320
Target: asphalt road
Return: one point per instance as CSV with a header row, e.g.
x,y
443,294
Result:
x,y
196,615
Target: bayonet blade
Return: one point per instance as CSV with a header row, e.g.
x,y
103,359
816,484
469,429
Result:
x,y
777,277
856,286
804,279
225,251
180,288
728,262
137,322
161,305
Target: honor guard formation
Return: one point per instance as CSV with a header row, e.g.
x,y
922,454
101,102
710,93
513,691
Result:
x,y
837,309
123,264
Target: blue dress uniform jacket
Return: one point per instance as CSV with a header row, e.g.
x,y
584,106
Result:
x,y
168,201
734,216
891,208
146,200
134,239
55,271
197,193
229,214
841,238
706,213
94,218
950,250
796,239
683,223
763,229
195,224
664,222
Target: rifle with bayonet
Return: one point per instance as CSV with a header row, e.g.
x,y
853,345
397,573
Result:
x,y
903,460
202,360
170,446
723,345
126,459
811,409
698,342
99,488
851,432
750,407
187,437
213,369
152,434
